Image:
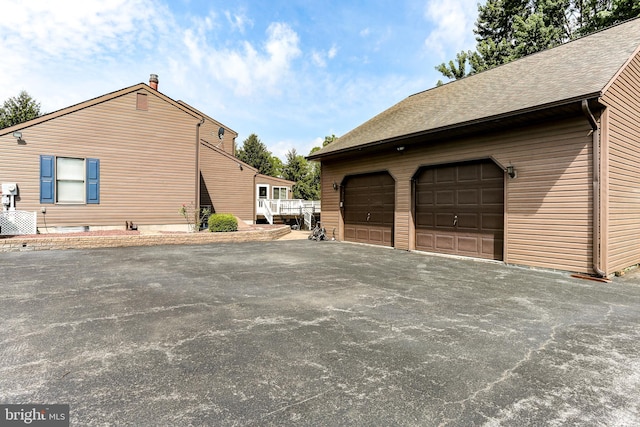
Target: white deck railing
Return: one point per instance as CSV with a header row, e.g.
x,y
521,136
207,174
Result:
x,y
290,207
264,208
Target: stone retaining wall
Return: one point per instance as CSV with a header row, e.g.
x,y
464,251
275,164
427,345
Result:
x,y
15,244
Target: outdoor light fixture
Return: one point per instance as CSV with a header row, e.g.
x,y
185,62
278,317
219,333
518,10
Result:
x,y
400,148
335,186
239,166
220,133
18,136
511,171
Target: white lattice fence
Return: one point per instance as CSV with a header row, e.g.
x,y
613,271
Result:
x,y
17,222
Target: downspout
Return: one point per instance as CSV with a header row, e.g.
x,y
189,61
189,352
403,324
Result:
x,y
595,138
197,198
255,199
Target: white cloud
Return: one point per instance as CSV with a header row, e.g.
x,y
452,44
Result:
x,y
332,52
281,148
66,49
238,21
453,20
249,70
193,44
75,29
318,59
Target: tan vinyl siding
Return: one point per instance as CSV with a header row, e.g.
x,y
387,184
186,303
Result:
x,y
147,161
623,139
548,206
230,188
209,133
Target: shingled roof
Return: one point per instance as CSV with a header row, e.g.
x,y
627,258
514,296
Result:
x,y
580,69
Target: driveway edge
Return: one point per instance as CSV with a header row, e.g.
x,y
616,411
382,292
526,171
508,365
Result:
x,y
59,242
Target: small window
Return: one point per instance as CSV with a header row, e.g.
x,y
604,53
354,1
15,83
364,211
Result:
x,y
141,102
70,180
280,192
262,192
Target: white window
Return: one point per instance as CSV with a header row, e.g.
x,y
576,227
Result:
x,y
280,192
70,175
263,191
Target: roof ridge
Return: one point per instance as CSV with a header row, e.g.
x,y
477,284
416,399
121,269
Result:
x,y
95,101
578,69
568,42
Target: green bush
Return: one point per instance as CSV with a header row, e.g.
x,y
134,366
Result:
x,y
223,222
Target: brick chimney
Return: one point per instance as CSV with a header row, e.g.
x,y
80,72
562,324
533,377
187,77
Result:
x,y
153,81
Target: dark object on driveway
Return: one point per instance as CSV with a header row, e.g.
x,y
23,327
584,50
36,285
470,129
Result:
x,y
318,233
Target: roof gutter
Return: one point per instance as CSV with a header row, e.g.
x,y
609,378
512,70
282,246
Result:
x,y
319,155
595,139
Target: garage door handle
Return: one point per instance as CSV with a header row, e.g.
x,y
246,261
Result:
x,y
455,220
368,216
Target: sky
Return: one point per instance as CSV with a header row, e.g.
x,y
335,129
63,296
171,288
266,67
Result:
x,y
290,71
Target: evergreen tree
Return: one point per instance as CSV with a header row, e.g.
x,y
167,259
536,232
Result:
x,y
18,110
328,140
594,15
455,70
510,29
276,165
495,32
255,153
543,29
307,181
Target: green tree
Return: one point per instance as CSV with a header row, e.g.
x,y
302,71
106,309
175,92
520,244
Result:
x,y
18,110
328,140
298,169
455,70
495,32
595,15
510,29
255,153
277,166
545,28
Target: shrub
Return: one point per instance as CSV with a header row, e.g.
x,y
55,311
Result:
x,y
223,222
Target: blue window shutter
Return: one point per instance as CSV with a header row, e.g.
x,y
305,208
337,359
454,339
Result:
x,y
47,179
93,181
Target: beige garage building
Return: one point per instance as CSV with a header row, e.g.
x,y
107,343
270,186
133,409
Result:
x,y
534,163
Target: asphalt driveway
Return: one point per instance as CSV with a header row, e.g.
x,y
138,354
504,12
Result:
x,y
306,333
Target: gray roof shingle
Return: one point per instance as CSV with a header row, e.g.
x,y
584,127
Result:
x,y
578,69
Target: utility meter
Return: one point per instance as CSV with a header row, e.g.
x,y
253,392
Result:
x,y
9,188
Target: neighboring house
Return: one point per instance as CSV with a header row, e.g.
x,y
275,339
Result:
x,y
534,162
130,156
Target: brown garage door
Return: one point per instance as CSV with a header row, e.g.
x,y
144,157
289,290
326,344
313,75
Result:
x,y
369,203
460,209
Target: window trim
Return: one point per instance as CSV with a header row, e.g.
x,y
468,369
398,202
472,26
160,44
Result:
x,y
59,181
286,192
49,180
266,187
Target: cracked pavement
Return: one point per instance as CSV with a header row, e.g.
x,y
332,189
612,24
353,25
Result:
x,y
306,333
